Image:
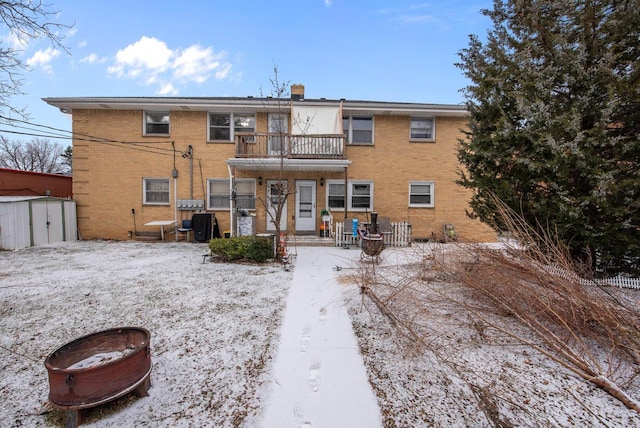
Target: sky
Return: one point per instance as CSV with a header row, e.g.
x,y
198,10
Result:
x,y
374,50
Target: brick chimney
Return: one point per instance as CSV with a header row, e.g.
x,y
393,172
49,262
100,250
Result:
x,y
297,92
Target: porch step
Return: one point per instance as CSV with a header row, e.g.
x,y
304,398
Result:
x,y
310,241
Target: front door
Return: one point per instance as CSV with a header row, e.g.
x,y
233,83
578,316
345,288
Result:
x,y
273,201
305,206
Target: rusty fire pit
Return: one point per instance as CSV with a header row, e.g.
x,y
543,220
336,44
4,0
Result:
x,y
98,368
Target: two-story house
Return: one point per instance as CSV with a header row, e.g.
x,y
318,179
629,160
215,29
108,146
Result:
x,y
136,160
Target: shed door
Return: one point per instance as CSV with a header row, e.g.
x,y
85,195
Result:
x,y
46,222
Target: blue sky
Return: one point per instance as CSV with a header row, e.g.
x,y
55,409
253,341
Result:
x,y
379,50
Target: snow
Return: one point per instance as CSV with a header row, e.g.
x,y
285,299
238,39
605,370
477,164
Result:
x,y
257,346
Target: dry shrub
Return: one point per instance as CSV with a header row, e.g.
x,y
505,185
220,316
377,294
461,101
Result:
x,y
587,328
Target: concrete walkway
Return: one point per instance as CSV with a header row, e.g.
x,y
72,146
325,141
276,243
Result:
x,y
319,379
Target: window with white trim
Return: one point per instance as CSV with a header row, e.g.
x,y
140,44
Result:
x,y
421,194
156,123
359,129
359,195
219,194
335,195
422,129
221,129
155,191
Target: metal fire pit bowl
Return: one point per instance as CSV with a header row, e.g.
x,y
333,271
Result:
x,y
99,368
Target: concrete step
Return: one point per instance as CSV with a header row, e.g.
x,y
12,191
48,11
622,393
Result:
x,y
310,241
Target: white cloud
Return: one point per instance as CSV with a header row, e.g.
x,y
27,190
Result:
x,y
168,89
14,41
417,19
93,58
151,61
328,3
43,58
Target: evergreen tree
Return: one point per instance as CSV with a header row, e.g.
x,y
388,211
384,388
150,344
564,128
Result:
x,y
554,129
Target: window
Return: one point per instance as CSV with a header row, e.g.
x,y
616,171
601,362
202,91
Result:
x,y
422,128
219,194
220,125
335,195
421,194
155,191
359,130
360,195
156,122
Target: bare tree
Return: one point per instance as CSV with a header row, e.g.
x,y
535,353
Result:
x,y
280,137
25,20
39,155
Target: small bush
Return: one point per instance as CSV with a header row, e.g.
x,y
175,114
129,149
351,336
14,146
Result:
x,y
250,248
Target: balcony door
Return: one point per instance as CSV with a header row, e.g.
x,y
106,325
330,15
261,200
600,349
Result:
x,y
273,187
278,125
305,206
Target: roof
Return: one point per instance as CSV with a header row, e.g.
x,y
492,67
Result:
x,y
36,173
252,104
8,199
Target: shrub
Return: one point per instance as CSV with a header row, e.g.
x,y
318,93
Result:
x,y
255,249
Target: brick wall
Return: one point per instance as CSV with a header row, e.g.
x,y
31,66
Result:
x,y
108,175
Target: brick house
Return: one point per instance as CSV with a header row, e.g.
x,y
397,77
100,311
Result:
x,y
141,159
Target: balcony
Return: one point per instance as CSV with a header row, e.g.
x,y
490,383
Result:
x,y
288,146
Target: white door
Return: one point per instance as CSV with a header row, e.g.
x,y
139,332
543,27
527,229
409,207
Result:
x,y
47,222
305,205
272,202
278,124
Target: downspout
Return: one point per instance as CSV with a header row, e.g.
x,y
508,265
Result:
x,y
346,192
231,199
174,173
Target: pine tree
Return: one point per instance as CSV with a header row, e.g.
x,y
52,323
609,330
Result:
x,y
554,129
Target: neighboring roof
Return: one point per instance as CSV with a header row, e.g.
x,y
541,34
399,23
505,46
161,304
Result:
x,y
7,199
46,174
251,104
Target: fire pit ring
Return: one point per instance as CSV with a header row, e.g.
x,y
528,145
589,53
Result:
x,y
99,368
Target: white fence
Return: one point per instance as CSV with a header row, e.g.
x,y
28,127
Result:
x,y
400,235
616,281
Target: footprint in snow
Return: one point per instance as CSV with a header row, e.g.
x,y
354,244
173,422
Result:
x,y
305,339
314,379
323,314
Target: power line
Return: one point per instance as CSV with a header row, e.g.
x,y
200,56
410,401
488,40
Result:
x,y
76,136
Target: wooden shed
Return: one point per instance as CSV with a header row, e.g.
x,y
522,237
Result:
x,y
26,221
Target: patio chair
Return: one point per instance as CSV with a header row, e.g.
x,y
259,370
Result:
x,y
185,227
384,226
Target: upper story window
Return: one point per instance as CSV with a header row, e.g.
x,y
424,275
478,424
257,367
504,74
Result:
x,y
421,194
422,129
155,191
219,197
156,122
359,129
223,126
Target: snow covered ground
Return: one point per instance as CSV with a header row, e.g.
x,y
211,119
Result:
x,y
253,346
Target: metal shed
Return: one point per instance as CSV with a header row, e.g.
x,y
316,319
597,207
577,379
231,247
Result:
x,y
26,221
